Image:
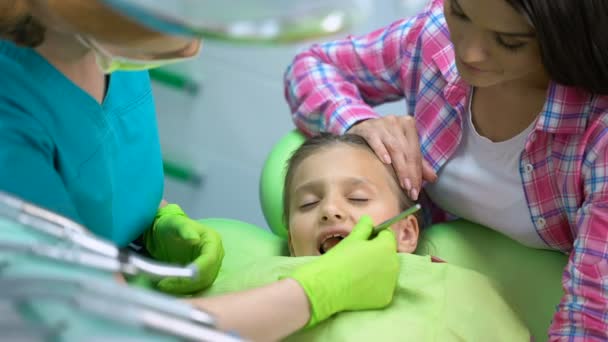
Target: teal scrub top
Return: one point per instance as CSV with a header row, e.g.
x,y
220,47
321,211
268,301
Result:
x,y
99,164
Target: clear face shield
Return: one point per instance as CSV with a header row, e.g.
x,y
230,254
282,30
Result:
x,y
262,21
112,58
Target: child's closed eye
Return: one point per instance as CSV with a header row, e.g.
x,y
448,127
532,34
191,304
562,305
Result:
x,y
307,205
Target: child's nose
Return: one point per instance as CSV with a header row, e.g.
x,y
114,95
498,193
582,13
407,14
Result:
x,y
335,216
332,212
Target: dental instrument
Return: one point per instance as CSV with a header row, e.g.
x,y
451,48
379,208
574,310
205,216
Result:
x,y
130,264
15,285
130,314
62,228
386,224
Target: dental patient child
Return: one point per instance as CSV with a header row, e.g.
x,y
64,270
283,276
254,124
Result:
x,y
331,182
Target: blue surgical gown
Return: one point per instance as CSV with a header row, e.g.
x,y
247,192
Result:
x,y
98,164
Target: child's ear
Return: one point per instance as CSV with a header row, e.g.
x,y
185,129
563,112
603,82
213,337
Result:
x,y
406,234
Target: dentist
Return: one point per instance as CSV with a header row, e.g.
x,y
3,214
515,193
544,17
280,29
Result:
x,y
78,136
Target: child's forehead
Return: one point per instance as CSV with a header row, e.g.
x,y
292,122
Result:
x,y
341,160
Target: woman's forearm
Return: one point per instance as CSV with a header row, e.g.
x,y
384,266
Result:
x,y
268,313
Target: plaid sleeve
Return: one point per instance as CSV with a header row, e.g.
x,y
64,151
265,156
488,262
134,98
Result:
x,y
582,314
331,86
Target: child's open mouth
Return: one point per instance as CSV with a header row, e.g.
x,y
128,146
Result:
x,y
330,242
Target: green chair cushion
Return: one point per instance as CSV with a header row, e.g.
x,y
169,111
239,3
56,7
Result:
x,y
271,181
529,279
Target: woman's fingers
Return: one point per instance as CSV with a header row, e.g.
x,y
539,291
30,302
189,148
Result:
x,y
397,146
394,139
379,148
428,174
412,155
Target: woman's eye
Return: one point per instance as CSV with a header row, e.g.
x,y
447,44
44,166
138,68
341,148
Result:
x,y
509,46
358,199
457,11
460,15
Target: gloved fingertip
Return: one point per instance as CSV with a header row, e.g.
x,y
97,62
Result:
x,y
363,229
209,263
170,209
366,220
175,286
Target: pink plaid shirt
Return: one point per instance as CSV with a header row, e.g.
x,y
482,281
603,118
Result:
x,y
564,166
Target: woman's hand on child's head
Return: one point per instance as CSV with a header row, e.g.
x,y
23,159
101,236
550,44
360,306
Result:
x,y
394,139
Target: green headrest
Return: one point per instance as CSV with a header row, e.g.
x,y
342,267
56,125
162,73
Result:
x,y
271,181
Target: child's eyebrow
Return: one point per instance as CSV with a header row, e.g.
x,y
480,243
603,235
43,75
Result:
x,y
351,181
360,181
307,186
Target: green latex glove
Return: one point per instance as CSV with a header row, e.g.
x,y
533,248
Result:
x,y
175,238
357,274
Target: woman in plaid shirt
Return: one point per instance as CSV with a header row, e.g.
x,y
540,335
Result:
x,y
507,126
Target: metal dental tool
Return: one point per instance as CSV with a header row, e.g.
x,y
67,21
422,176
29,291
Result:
x,y
130,264
386,224
16,285
68,255
129,314
49,223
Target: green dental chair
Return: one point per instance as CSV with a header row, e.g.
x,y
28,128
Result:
x,y
529,279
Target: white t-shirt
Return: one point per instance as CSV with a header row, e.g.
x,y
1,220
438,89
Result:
x,y
482,183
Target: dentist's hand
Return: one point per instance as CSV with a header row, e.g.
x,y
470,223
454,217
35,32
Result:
x,y
357,274
175,238
394,139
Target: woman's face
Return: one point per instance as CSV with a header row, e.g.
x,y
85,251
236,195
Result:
x,y
332,189
493,43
